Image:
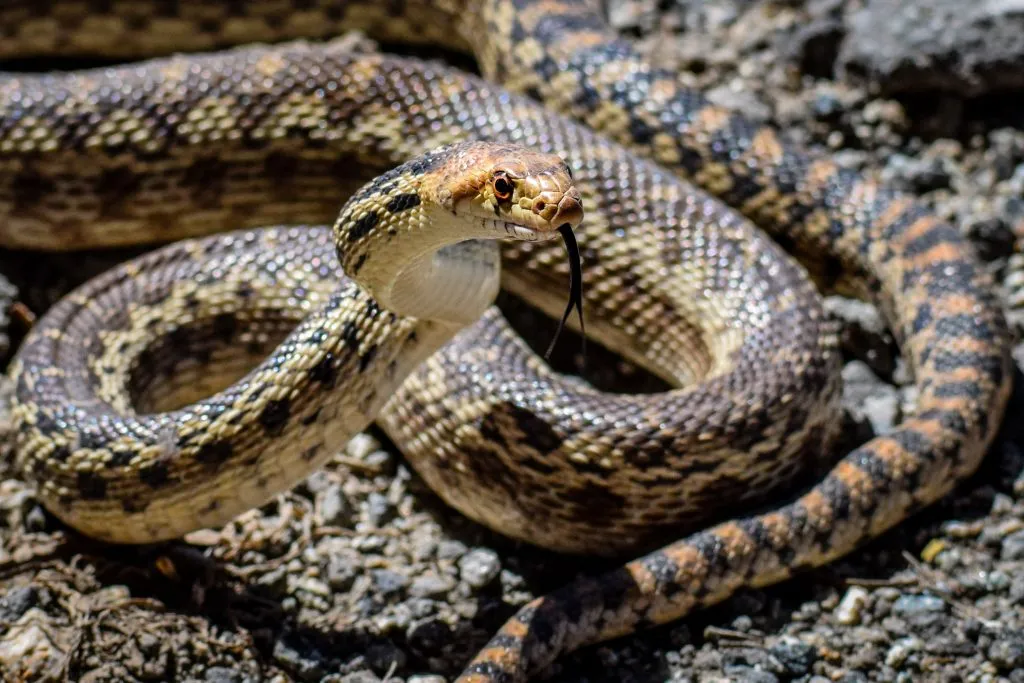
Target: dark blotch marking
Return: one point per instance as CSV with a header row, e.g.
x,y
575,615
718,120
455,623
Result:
x,y
537,433
367,358
362,226
350,335
964,389
224,326
402,202
311,418
949,419
119,458
325,372
359,263
155,475
275,415
664,570
91,486
963,325
214,452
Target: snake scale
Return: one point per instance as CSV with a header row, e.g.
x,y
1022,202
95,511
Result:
x,y
676,280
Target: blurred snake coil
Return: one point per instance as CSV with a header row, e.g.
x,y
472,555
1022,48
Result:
x,y
677,279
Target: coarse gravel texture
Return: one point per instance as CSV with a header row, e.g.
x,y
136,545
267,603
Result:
x,y
361,574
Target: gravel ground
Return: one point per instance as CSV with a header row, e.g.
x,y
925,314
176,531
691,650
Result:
x,y
361,575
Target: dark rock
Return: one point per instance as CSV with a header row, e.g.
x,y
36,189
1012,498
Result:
x,y
992,238
936,45
815,47
381,657
302,661
429,638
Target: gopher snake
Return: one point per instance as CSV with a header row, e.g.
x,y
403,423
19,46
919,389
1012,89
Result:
x,y
676,281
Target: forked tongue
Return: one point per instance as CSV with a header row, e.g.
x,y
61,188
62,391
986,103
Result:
x,y
572,249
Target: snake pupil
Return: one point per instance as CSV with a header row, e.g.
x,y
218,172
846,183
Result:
x,y
502,187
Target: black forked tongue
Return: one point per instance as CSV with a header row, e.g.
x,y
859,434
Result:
x,y
575,288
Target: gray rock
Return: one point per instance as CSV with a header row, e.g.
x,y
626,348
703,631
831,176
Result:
x,y
479,567
869,398
1013,546
1007,653
944,45
378,510
389,582
430,585
342,571
901,650
220,674
796,657
16,603
335,509
912,605
429,678
449,549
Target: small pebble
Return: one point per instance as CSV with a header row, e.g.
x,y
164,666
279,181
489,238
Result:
x,y
389,582
361,445
911,605
1012,547
341,572
16,602
378,510
220,674
848,612
428,678
479,567
796,657
430,585
1007,653
335,509
901,650
449,549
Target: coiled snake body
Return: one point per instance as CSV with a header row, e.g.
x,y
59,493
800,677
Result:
x,y
676,281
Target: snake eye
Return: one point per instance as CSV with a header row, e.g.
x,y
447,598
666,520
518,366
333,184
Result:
x,y
502,186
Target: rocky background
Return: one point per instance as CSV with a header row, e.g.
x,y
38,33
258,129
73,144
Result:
x,y
361,575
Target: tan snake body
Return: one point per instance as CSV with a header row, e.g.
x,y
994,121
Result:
x,y
182,146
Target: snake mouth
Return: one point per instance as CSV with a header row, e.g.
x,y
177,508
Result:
x,y
520,232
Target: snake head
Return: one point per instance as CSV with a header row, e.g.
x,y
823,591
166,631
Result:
x,y
527,194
